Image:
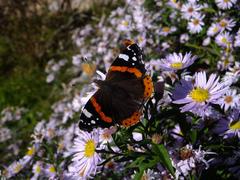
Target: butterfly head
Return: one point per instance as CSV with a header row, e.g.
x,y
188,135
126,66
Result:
x,y
128,42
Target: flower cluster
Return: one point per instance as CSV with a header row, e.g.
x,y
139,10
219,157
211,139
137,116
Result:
x,y
190,127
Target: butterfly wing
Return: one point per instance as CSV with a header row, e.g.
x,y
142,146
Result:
x,y
120,97
129,60
127,73
92,115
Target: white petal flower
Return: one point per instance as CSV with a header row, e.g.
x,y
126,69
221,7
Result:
x,y
225,4
184,38
229,100
197,96
206,41
196,24
190,160
237,39
167,30
213,29
36,169
190,9
137,136
226,24
105,136
50,171
85,158
174,62
224,40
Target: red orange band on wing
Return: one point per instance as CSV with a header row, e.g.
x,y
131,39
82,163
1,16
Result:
x,y
148,86
98,109
135,71
134,119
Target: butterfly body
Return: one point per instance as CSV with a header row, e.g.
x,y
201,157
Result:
x,y
120,97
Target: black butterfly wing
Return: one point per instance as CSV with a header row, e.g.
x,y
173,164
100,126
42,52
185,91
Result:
x,y
132,58
126,76
91,116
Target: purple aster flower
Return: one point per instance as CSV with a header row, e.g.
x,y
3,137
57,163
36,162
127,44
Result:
x,y
233,124
85,158
174,62
191,159
230,100
229,126
198,95
177,133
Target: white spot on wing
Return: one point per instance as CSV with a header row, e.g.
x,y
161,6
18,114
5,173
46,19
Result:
x,y
93,122
134,58
87,114
124,57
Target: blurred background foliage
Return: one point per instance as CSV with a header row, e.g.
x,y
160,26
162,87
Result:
x,y
32,32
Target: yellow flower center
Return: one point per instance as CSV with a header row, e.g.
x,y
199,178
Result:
x,y
38,169
31,151
106,136
228,99
215,29
226,1
223,23
224,40
195,22
125,23
177,65
199,94
17,168
89,148
235,125
226,62
165,29
52,169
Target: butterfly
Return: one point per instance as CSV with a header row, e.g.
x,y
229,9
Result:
x,y
120,97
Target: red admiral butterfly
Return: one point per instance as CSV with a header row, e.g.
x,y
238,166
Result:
x,y
120,97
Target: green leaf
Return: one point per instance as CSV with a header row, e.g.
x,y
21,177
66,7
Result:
x,y
210,50
193,136
164,157
209,10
